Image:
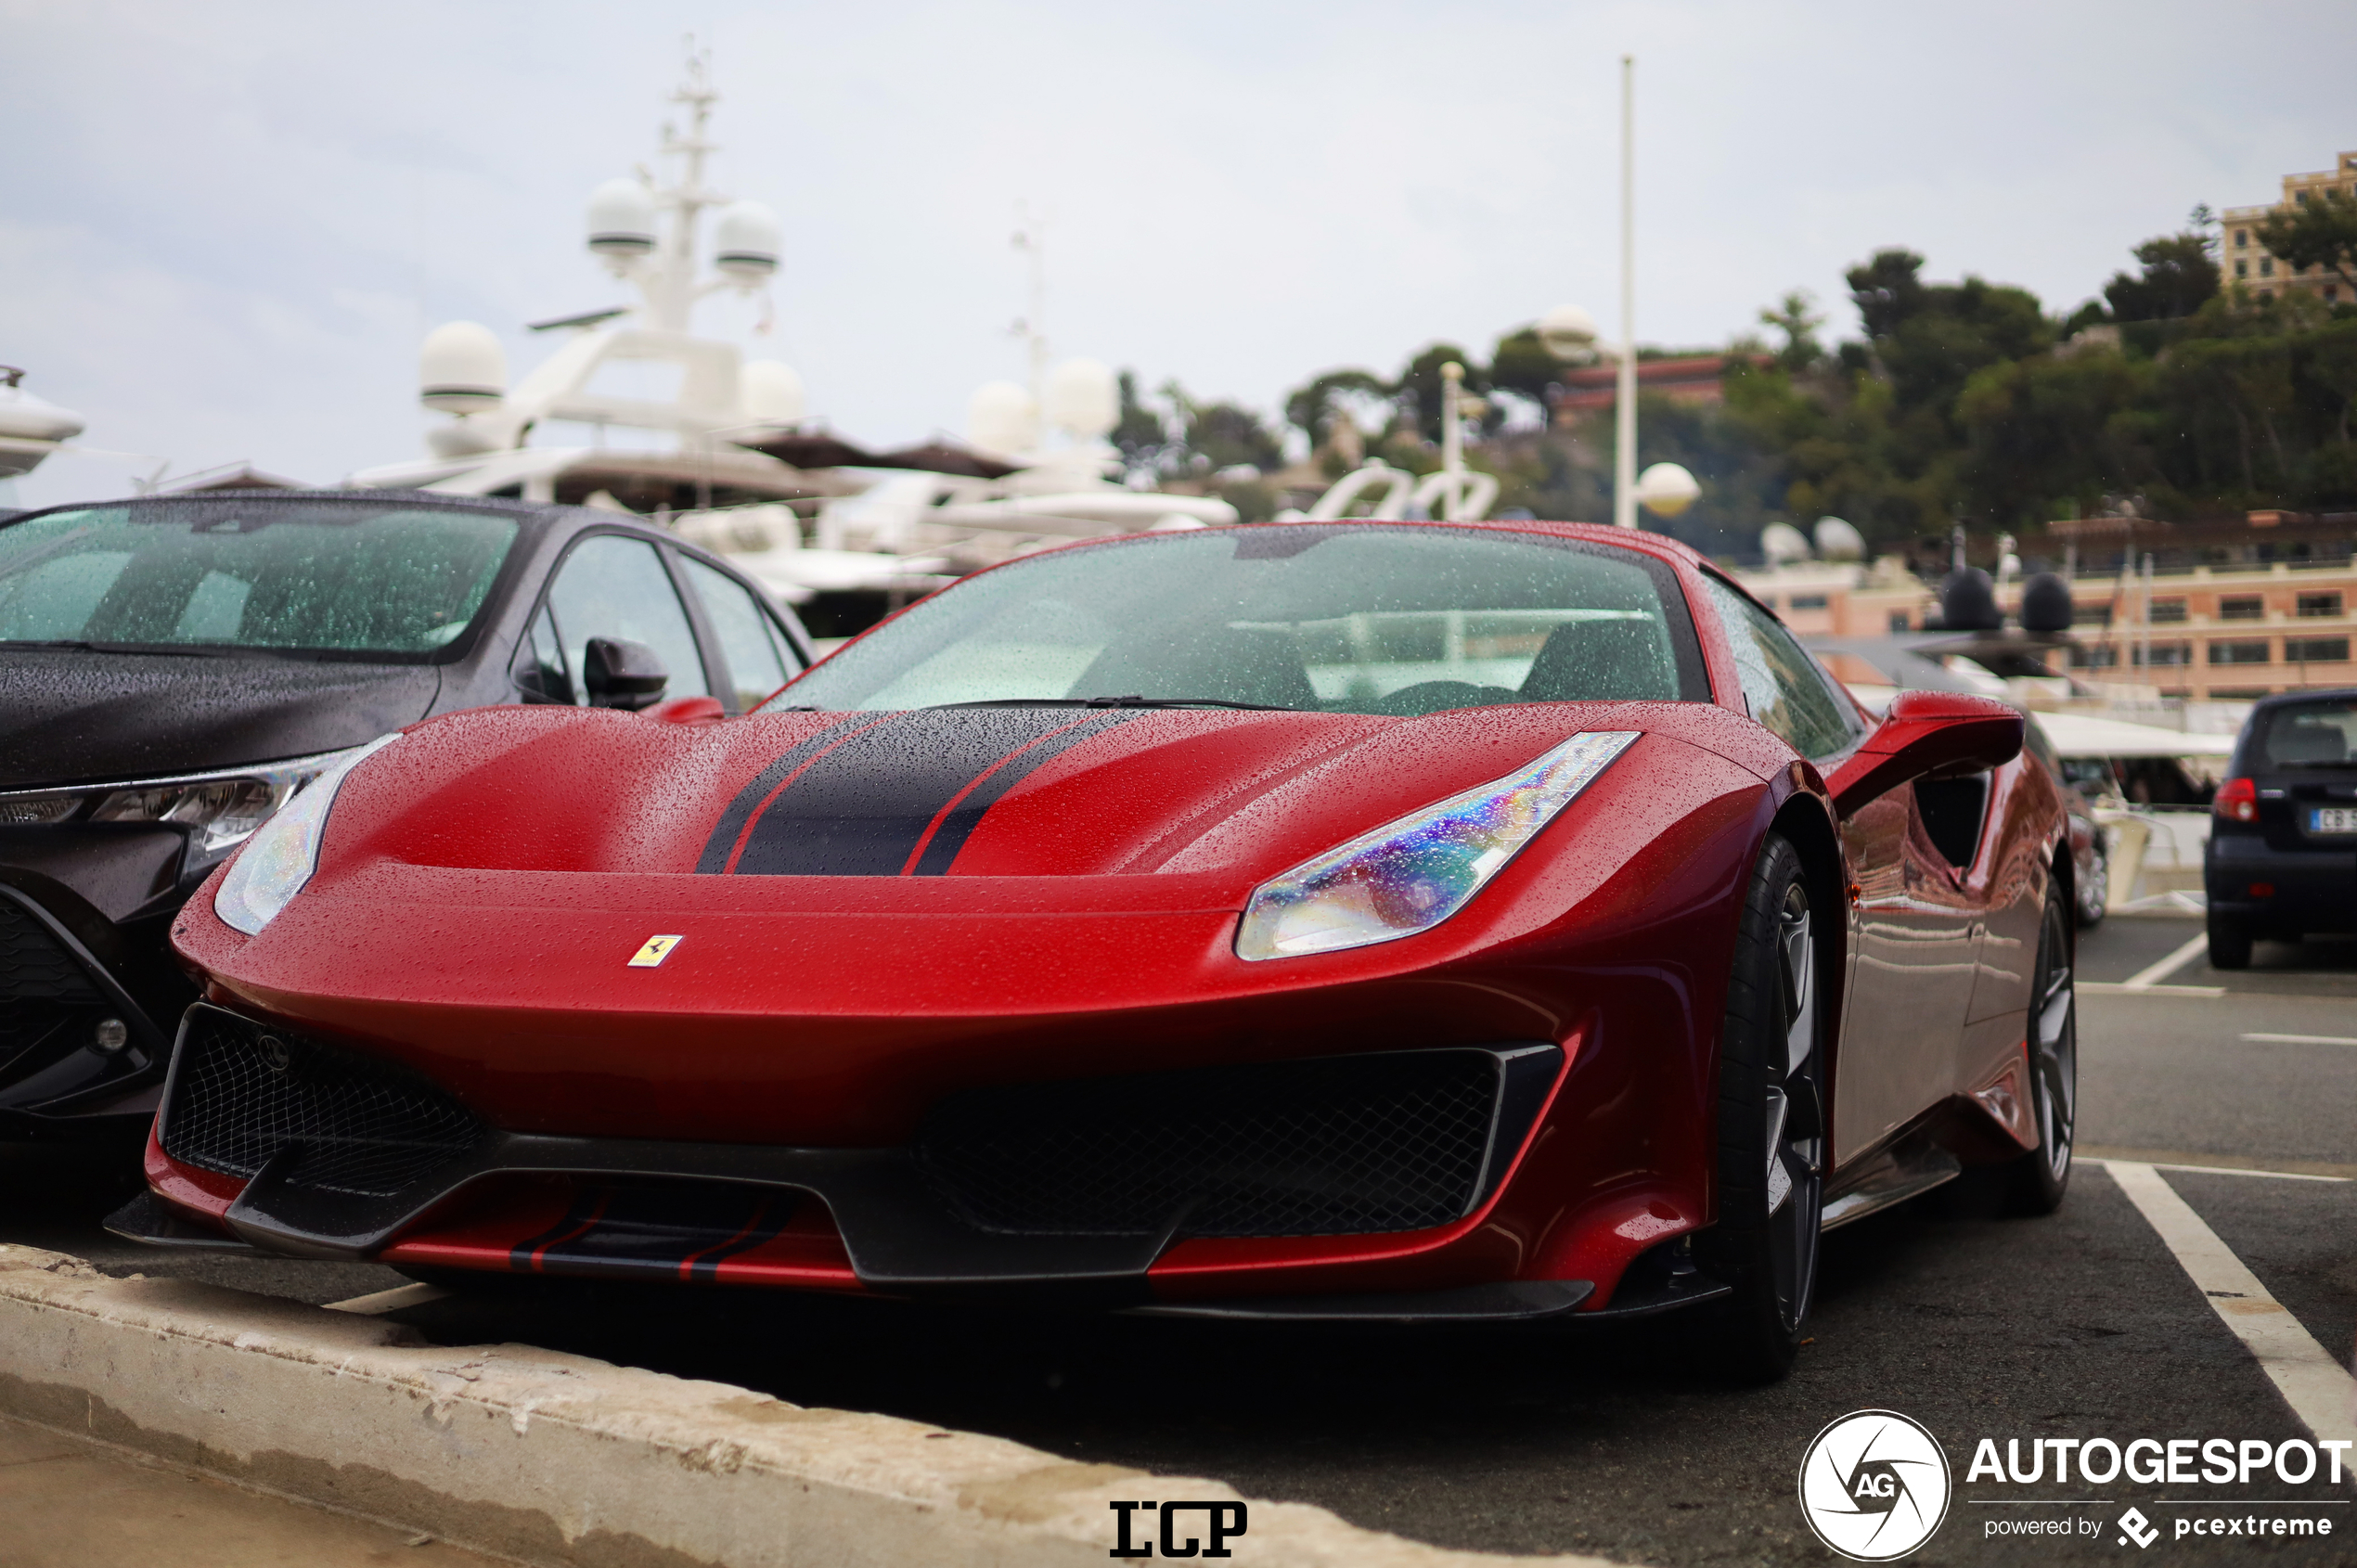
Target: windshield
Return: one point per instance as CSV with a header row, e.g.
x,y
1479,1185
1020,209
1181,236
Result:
x,y
2319,734
297,576
1344,618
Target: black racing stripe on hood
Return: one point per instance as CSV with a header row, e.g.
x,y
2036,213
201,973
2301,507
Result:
x,y
862,809
963,819
716,849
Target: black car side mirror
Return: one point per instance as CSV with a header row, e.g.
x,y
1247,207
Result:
x,y
620,673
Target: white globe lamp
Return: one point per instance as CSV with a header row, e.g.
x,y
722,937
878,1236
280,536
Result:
x,y
1568,332
1666,490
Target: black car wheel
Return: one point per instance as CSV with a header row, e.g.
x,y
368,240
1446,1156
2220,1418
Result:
x,y
2229,944
1771,1125
2040,1176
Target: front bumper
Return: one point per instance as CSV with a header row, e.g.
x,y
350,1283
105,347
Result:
x,y
61,1076
296,1148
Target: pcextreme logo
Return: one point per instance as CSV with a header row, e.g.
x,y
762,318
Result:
x,y
1874,1485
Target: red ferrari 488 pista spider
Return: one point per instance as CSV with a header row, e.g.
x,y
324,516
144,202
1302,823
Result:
x,y
1331,920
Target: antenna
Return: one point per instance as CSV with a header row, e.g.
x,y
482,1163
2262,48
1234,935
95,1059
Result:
x,y
1031,238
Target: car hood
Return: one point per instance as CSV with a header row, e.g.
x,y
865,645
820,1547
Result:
x,y
69,716
954,794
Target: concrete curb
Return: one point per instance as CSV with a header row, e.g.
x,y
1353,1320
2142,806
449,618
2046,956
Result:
x,y
559,1459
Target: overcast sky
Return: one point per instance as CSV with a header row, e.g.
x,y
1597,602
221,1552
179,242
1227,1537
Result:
x,y
224,226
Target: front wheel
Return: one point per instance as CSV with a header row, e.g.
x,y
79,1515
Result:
x,y
2040,1176
1772,1131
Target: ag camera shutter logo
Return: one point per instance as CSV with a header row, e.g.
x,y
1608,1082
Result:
x,y
1874,1485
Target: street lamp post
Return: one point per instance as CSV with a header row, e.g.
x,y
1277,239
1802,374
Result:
x,y
1623,466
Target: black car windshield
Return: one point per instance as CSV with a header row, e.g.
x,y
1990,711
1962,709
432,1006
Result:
x,y
326,576
2318,734
1360,618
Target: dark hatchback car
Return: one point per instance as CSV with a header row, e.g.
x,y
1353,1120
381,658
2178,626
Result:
x,y
2283,850
173,668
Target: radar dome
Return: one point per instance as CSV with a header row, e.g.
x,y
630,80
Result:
x,y
1967,602
769,392
1781,542
460,438
1084,399
746,241
461,369
1836,540
1001,417
1666,490
2045,604
1568,331
622,221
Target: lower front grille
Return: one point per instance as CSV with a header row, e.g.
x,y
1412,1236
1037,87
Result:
x,y
1336,1146
244,1092
43,987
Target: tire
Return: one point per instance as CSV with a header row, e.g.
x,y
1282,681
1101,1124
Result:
x,y
2229,944
2038,1179
1771,1068
2094,891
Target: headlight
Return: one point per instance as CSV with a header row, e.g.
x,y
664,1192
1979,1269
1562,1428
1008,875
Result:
x,y
281,856
219,808
1409,876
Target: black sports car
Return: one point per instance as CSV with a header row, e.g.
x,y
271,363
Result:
x,y
173,668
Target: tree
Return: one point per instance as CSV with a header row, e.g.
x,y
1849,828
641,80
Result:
x,y
1524,365
1419,385
1798,322
1311,408
2320,232
1228,435
2179,276
1139,433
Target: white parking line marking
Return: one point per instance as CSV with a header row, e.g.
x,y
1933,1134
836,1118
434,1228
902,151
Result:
x,y
377,1303
2115,989
2241,1171
2153,974
2316,1386
2303,1039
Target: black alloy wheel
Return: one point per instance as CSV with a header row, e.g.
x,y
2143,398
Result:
x,y
1771,1126
2040,1176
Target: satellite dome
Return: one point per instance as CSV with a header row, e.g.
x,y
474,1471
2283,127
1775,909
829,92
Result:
x,y
1568,331
1666,490
460,438
1781,542
1967,602
461,369
1084,399
746,241
1836,540
1001,417
770,393
622,220
2045,604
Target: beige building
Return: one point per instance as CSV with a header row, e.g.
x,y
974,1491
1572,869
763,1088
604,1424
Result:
x,y
2243,260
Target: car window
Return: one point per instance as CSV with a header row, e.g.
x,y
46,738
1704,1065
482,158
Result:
x,y
1357,618
1781,682
750,641
2321,734
330,577
613,586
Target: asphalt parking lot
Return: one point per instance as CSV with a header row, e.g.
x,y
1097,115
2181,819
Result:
x,y
2240,1089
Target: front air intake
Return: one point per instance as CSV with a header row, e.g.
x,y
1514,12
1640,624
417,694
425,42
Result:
x,y
1335,1146
243,1093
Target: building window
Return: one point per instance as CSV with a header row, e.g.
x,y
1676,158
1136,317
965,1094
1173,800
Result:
x,y
2238,652
2319,604
2315,650
2242,238
2172,654
2251,609
2168,609
2242,268
2266,266
1899,621
2094,656
1808,602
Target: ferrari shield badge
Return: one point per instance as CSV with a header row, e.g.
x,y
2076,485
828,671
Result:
x,y
653,952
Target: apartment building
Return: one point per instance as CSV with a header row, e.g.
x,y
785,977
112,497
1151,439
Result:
x,y
2243,260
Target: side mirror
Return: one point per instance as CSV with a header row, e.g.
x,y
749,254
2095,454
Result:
x,y
620,673
1925,734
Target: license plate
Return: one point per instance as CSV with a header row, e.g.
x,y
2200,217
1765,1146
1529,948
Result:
x,y
2333,819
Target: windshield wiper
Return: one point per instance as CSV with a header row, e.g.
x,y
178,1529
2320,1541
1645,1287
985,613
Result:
x,y
1131,701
